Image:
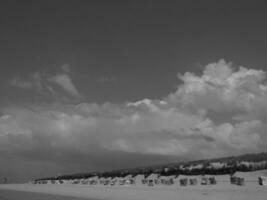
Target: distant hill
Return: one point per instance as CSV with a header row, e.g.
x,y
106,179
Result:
x,y
225,165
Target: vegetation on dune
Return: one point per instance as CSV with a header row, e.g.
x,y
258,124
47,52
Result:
x,y
226,165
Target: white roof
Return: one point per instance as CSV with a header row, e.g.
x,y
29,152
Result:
x,y
188,176
152,176
167,177
128,176
139,176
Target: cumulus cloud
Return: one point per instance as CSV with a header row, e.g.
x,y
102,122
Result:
x,y
221,89
220,112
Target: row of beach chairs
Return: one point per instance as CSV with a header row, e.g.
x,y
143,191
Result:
x,y
237,180
194,181
262,180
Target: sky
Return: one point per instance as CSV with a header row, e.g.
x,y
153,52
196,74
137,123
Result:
x,y
101,85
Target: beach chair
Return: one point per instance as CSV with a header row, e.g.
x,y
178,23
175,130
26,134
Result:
x,y
150,183
183,182
204,181
157,181
262,180
144,181
212,181
193,181
233,180
240,181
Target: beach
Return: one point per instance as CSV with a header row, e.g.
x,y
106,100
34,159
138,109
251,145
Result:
x,y
220,191
19,195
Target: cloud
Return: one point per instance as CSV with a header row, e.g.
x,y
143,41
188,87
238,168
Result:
x,y
221,89
17,82
33,82
218,113
59,86
65,83
106,79
66,68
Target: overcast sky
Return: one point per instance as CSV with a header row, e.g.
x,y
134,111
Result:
x,y
100,85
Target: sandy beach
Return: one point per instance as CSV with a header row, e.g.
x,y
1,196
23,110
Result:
x,y
19,195
221,191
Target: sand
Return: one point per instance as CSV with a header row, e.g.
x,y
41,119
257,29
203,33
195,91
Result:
x,y
18,195
222,191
